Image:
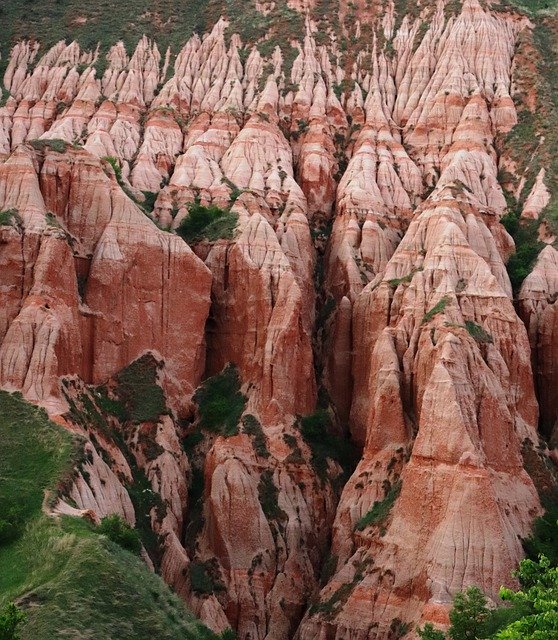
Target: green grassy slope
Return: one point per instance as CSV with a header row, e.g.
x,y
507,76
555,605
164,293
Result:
x,y
72,582
170,22
102,21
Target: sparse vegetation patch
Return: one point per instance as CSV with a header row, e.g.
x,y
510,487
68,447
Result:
x,y
207,223
220,402
380,509
55,144
436,309
205,578
269,497
480,334
10,218
253,428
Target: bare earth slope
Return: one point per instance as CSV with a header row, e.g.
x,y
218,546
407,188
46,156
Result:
x,y
374,159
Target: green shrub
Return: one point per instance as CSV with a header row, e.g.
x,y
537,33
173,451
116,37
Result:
x,y
10,619
205,577
380,509
316,430
437,308
469,614
235,191
55,144
120,532
544,537
478,333
148,203
138,392
395,282
220,402
254,429
207,223
146,502
428,632
108,405
472,619
295,456
341,595
527,247
9,218
192,440
147,441
328,606
268,495
115,164
52,220
536,600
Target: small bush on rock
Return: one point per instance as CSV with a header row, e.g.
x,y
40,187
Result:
x,y
220,402
120,532
207,223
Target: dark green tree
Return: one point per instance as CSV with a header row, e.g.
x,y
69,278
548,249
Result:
x,y
428,632
469,615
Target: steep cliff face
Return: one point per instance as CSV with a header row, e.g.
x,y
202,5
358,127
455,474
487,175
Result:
x,y
355,172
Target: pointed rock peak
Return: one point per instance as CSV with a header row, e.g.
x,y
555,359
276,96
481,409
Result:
x,y
218,30
547,257
542,282
117,56
471,6
538,198
269,98
50,58
236,42
475,109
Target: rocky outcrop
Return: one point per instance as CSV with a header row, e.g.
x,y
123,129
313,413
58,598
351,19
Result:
x,y
91,282
439,343
538,310
361,290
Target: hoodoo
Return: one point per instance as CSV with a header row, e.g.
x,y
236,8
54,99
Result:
x,y
278,326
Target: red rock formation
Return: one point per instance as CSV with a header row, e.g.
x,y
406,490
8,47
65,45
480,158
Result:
x,y
74,225
368,261
447,357
538,310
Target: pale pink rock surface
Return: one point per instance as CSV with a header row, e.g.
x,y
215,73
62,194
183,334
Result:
x,y
537,308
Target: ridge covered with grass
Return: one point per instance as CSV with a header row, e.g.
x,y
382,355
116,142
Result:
x,y
70,580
